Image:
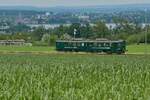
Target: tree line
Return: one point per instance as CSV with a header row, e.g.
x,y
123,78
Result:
x,y
131,32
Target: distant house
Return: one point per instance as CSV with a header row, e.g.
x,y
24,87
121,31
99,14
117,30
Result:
x,y
3,29
12,42
84,17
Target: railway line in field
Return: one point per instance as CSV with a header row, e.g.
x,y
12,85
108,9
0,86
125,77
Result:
x,y
131,50
65,53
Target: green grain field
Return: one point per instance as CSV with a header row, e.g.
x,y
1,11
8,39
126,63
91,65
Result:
x,y
74,77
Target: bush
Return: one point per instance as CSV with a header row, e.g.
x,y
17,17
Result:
x,y
133,39
122,36
46,38
49,39
138,38
66,36
53,39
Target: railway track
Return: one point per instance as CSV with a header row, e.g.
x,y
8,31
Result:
x,y
67,53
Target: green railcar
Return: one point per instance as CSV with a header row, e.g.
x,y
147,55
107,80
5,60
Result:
x,y
108,46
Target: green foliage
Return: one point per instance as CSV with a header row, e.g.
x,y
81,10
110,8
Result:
x,y
38,33
61,30
131,32
101,30
138,38
76,26
87,31
133,39
74,77
83,31
122,36
25,36
53,39
16,36
46,38
49,39
19,28
5,37
66,37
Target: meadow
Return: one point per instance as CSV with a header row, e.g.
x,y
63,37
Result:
x,y
26,49
132,49
74,77
138,49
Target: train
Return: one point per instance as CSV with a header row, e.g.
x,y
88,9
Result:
x,y
93,46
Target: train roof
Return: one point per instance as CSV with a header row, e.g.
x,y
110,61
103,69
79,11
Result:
x,y
108,41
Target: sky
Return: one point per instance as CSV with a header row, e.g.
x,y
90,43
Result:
x,y
49,3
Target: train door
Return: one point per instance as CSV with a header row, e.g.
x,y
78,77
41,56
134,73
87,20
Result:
x,y
114,47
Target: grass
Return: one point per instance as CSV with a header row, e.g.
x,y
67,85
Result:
x,y
74,77
132,49
138,49
26,49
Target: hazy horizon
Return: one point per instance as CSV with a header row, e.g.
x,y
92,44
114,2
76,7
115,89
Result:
x,y
51,3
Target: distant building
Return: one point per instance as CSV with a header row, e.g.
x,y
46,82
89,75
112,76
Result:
x,y
85,18
12,42
47,14
3,29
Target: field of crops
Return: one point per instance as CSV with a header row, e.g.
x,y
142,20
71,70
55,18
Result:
x,y
74,77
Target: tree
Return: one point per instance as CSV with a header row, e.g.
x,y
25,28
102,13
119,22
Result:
x,y
38,33
46,38
101,30
19,28
25,36
66,36
61,30
86,31
76,26
50,39
53,39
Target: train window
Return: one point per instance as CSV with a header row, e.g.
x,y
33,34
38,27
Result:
x,y
95,44
82,44
74,44
99,45
107,44
119,44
